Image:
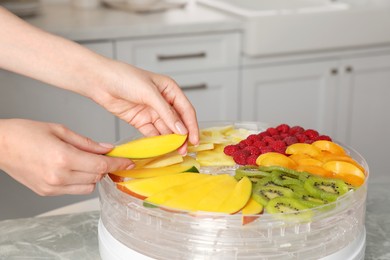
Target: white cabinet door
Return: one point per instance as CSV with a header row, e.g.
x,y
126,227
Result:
x,y
298,94
364,105
23,97
213,94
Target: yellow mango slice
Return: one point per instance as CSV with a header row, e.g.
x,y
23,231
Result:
x,y
143,188
329,146
249,211
201,147
189,199
165,160
346,171
147,147
175,191
274,158
189,164
238,198
303,148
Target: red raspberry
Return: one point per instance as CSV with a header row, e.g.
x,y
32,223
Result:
x,y
277,137
289,140
301,138
251,160
283,128
242,144
324,137
248,142
268,140
309,141
296,130
262,135
253,150
240,157
253,137
259,144
284,135
272,131
230,149
278,146
266,149
312,134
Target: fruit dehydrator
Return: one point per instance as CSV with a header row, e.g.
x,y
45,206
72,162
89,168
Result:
x,y
128,230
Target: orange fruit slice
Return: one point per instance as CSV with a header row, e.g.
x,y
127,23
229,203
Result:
x,y
273,158
309,161
298,156
349,172
316,170
303,148
329,146
344,158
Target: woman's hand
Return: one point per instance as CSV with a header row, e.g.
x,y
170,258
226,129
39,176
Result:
x,y
51,159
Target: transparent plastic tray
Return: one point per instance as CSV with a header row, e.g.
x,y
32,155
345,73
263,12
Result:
x,y
162,234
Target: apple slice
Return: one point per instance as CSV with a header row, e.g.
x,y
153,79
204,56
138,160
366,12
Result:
x,y
189,164
143,188
238,198
147,147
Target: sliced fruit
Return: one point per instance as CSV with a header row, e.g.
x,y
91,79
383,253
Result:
x,y
165,160
344,158
274,158
189,199
292,208
309,161
250,210
349,172
214,157
250,172
147,147
201,147
299,156
143,188
303,148
316,170
329,146
263,194
325,188
189,164
283,178
237,198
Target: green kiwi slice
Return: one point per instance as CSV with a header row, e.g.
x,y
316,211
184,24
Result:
x,y
299,175
252,172
325,188
304,197
284,178
266,181
292,208
263,194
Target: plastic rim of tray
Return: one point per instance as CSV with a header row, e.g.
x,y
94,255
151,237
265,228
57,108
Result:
x,y
165,234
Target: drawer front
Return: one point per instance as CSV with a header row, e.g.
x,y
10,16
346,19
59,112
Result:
x,y
181,54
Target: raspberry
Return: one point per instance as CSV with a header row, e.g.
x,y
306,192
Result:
x,y
262,135
284,135
277,137
312,134
323,137
268,140
278,146
266,149
259,144
309,141
240,157
272,131
242,144
283,128
251,160
301,138
248,142
289,140
253,137
253,150
230,149
296,130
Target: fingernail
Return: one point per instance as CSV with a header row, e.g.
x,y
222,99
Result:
x,y
106,145
181,128
131,166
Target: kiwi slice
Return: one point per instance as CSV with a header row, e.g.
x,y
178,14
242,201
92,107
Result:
x,y
325,188
266,181
304,197
300,175
263,194
292,208
251,172
284,178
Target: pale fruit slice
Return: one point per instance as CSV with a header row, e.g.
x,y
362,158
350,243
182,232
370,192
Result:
x,y
201,147
238,198
161,197
165,160
275,159
215,198
346,171
216,130
214,157
147,147
250,210
303,148
143,188
189,199
189,164
329,146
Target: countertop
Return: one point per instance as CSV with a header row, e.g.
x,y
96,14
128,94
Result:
x,y
74,236
107,23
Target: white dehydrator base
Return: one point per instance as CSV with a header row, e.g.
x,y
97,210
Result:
x,y
112,249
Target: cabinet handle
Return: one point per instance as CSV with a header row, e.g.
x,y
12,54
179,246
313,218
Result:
x,y
348,69
194,87
334,71
181,56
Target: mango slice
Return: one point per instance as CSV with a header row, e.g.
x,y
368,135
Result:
x,y
147,147
165,160
237,198
329,146
303,148
250,210
189,164
346,171
274,158
143,188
